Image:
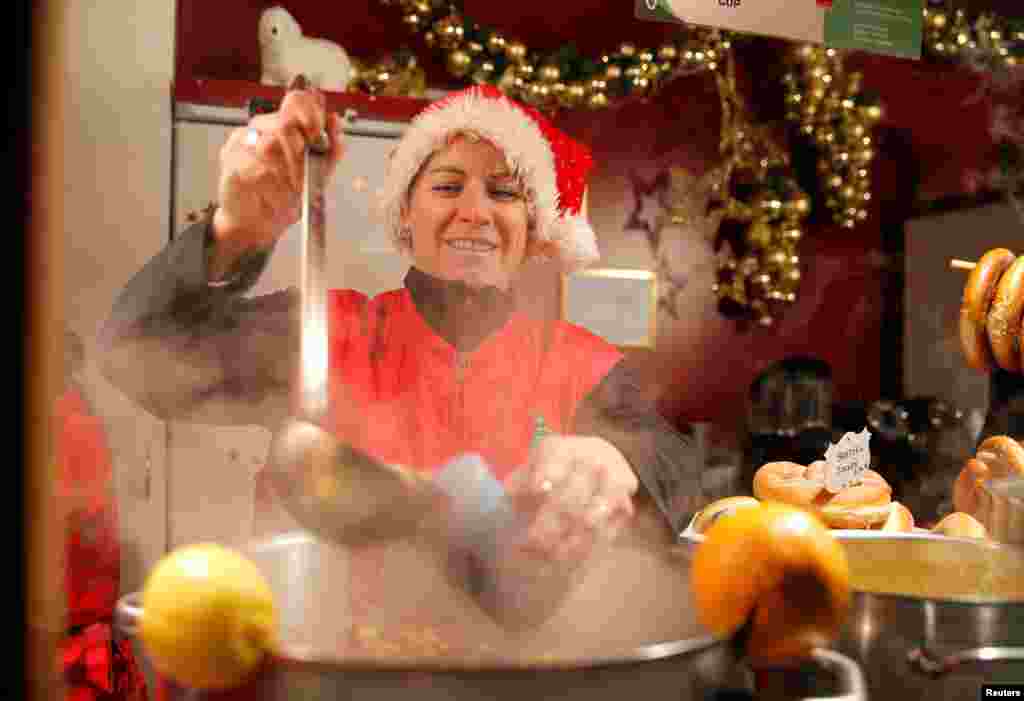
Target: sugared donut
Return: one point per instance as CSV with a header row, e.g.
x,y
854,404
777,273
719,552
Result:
x,y
900,519
1004,318
1003,455
859,506
786,482
960,525
716,509
979,293
967,488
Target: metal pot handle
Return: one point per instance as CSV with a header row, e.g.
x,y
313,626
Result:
x,y
851,680
933,664
127,614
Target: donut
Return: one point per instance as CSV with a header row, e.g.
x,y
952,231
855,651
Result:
x,y
1003,455
900,519
1004,318
859,506
960,525
979,291
716,509
786,482
967,487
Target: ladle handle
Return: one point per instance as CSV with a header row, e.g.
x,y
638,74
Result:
x,y
313,352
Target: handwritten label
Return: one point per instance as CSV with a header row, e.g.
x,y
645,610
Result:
x,y
847,461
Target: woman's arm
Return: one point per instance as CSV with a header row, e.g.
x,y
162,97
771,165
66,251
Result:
x,y
621,411
191,350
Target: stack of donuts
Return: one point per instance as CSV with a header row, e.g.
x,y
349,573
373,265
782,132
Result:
x,y
998,457
865,505
992,313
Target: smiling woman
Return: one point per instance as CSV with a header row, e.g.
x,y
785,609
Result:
x,y
468,217
447,366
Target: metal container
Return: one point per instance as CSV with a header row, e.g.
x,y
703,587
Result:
x,y
935,617
678,659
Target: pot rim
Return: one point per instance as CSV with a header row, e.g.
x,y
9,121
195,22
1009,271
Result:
x,y
128,613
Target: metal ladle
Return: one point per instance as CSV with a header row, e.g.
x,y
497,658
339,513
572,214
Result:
x,y
328,487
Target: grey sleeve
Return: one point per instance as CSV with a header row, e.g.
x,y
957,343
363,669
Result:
x,y
666,461
189,351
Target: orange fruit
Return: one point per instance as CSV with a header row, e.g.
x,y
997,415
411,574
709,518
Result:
x,y
782,566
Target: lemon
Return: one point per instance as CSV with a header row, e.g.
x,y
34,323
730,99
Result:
x,y
779,568
208,616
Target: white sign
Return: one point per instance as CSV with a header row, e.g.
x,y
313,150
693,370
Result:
x,y
847,461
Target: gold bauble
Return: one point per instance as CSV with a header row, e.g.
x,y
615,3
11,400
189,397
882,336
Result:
x,y
797,206
574,94
597,100
537,93
483,72
613,72
412,21
776,258
641,85
835,182
627,50
668,52
760,234
496,44
422,7
449,32
938,20
550,73
516,51
792,235
871,114
646,56
863,156
459,63
854,82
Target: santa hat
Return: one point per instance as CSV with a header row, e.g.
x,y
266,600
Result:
x,y
553,166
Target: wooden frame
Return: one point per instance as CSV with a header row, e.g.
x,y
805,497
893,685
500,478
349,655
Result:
x,y
602,299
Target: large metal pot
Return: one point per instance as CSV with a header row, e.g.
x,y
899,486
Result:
x,y
935,617
628,630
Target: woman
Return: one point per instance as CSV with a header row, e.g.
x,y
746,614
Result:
x,y
477,186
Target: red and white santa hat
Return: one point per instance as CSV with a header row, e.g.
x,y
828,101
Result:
x,y
553,166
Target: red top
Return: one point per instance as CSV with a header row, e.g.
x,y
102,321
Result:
x,y
402,393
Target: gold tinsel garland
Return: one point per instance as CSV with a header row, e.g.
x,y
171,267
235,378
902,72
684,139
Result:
x,y
764,202
561,79
832,111
986,42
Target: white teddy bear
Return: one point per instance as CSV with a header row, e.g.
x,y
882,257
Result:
x,y
285,52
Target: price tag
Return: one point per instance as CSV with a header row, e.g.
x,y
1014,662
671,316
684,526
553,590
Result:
x,y
847,461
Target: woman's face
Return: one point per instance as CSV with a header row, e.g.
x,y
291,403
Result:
x,y
468,216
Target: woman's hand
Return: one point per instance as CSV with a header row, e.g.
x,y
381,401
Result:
x,y
575,492
261,174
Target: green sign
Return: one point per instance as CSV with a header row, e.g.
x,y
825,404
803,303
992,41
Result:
x,y
891,27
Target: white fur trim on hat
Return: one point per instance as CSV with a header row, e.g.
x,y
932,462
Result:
x,y
504,124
